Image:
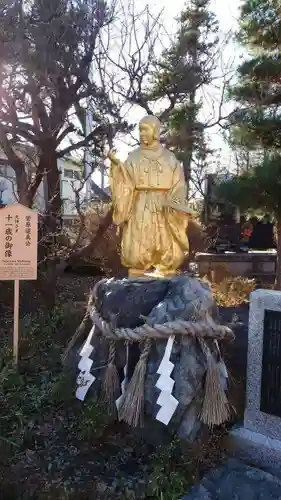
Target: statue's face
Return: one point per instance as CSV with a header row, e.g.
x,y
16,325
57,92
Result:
x,y
146,134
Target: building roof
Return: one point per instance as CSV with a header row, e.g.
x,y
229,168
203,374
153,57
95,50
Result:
x,y
100,194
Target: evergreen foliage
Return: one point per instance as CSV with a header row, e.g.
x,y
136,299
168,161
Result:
x,y
256,126
182,71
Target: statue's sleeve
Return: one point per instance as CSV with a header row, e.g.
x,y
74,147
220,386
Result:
x,y
178,190
176,219
122,191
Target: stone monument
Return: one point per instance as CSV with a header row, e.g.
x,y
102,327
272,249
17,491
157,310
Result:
x,y
153,349
259,439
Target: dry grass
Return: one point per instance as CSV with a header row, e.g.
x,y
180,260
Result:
x,y
232,292
108,249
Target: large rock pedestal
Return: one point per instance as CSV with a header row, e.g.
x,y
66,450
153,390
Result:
x,y
129,303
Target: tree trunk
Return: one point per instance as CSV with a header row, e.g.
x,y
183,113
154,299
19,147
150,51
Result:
x,y
21,182
187,168
88,249
52,222
53,203
278,263
189,142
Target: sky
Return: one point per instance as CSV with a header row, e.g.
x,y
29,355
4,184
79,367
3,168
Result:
x,y
227,12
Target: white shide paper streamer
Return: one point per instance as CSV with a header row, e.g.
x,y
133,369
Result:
x,y
85,379
166,384
223,369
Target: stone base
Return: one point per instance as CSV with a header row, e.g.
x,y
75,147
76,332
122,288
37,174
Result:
x,y
129,303
259,450
238,481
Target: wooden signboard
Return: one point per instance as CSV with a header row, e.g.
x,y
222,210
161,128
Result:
x,y
18,253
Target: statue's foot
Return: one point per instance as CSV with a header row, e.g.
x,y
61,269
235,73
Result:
x,y
161,273
152,273
134,273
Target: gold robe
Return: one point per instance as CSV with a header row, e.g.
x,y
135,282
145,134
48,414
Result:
x,y
154,235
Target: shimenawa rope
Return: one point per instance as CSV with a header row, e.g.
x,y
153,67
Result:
x,y
215,408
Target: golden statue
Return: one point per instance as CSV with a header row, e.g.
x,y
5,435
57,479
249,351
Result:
x,y
149,202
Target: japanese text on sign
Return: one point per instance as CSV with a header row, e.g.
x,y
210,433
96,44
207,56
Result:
x,y
18,243
27,231
8,236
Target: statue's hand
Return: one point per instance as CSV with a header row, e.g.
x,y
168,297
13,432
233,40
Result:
x,y
113,158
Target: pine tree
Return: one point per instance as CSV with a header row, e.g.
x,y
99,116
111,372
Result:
x,y
257,125
183,69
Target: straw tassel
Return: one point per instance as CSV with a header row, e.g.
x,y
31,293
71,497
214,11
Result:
x,y
111,382
131,409
215,408
79,332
